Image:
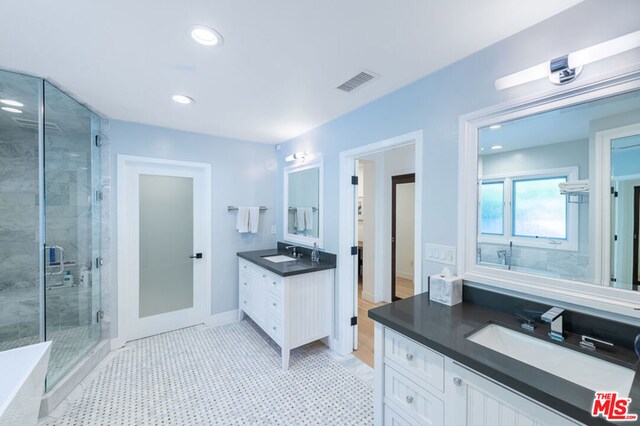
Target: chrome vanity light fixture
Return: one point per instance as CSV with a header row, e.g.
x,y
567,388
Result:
x,y
566,68
298,156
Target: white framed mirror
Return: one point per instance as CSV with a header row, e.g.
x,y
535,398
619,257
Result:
x,y
303,203
547,200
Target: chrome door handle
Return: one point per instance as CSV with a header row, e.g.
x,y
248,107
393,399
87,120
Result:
x,y
457,381
196,256
61,270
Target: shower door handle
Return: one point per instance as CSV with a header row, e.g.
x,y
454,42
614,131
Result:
x,y
61,270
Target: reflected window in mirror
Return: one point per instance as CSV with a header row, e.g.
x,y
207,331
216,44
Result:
x,y
543,179
303,203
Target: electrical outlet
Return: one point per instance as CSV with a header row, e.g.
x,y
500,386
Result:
x,y
274,229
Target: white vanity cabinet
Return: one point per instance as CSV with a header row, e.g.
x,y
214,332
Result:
x,y
418,386
293,310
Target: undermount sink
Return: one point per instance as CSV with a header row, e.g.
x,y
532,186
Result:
x,y
582,369
279,258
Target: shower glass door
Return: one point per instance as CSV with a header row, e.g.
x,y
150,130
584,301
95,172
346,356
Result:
x,y
71,230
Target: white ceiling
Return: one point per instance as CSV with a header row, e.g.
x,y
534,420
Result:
x,y
275,76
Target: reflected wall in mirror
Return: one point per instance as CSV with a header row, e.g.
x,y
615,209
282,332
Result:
x,y
537,201
303,203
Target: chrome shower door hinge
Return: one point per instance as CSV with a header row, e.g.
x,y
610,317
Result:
x,y
99,316
98,262
99,195
98,140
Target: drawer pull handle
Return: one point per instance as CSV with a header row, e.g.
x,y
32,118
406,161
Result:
x,y
264,276
409,399
274,283
457,381
274,328
409,357
275,304
245,302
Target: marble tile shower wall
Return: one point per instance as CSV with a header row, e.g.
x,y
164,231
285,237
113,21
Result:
x,y
18,233
68,190
559,263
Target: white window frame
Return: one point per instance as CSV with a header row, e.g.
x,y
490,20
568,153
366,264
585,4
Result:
x,y
571,243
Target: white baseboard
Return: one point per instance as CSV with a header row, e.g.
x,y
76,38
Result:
x,y
405,275
368,297
117,343
222,318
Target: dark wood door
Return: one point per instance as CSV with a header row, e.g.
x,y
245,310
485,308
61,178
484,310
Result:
x,y
395,181
636,237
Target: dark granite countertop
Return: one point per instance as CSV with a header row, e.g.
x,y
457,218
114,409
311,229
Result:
x,y
445,330
286,269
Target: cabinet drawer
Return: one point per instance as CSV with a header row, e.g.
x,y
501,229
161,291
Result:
x,y
391,418
275,285
424,363
244,282
274,305
412,399
245,301
274,328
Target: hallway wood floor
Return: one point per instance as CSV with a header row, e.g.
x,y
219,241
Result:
x,y
365,324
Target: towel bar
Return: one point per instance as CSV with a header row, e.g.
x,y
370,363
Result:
x,y
234,208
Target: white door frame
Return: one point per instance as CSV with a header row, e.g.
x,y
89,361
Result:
x,y
129,168
346,301
601,191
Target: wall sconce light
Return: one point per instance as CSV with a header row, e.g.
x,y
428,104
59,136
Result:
x,y
298,156
566,68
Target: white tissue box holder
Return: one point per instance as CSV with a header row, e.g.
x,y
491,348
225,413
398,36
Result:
x,y
445,289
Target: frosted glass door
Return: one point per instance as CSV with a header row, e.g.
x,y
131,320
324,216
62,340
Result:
x,y
166,244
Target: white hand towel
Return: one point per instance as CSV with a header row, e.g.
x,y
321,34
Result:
x,y
254,219
242,220
300,222
308,217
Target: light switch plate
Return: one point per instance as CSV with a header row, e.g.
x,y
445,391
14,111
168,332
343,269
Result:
x,y
440,254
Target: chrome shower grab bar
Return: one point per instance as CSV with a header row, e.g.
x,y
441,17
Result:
x,y
61,270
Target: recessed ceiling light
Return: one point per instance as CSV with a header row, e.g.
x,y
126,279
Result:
x,y
206,36
11,103
182,99
14,110
495,127
496,147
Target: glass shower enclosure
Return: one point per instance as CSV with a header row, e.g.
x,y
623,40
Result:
x,y
49,221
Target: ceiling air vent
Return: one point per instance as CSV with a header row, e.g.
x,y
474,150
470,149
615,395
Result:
x,y
33,124
356,81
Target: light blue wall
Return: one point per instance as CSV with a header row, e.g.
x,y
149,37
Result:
x,y
243,173
435,103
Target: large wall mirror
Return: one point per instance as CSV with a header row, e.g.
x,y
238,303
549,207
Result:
x,y
552,195
303,215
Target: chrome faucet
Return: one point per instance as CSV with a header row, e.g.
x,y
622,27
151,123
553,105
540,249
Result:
x,y
554,317
294,251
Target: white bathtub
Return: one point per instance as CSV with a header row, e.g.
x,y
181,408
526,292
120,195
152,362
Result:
x,y
22,374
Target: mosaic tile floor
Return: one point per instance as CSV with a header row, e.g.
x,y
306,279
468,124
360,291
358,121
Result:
x,y
225,375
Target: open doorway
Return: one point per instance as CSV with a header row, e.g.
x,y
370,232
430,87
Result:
x,y
402,233
385,197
